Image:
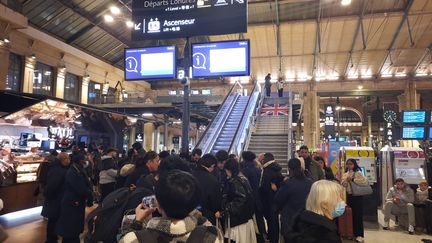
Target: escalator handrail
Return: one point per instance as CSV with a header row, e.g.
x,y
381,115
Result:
x,y
214,118
242,117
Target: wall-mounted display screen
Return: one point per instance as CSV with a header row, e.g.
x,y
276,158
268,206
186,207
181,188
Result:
x,y
430,133
413,132
150,63
414,117
220,59
162,19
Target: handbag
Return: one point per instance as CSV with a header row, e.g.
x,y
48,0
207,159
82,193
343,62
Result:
x,y
360,190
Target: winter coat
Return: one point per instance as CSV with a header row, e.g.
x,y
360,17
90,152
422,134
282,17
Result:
x,y
54,190
237,202
220,176
290,199
422,196
314,169
211,195
133,177
253,173
271,173
161,230
108,172
406,196
310,227
77,194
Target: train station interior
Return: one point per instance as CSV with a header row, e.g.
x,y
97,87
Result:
x,y
351,79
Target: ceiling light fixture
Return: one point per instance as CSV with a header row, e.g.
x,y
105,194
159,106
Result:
x,y
129,24
386,75
421,74
345,2
33,56
108,18
360,87
400,75
115,10
6,40
147,114
365,76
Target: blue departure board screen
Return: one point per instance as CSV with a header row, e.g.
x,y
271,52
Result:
x,y
430,132
413,132
220,59
150,63
414,116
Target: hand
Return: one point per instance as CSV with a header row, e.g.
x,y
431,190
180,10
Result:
x,y
286,178
273,187
218,215
142,212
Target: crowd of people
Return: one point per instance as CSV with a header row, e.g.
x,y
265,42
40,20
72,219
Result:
x,y
212,198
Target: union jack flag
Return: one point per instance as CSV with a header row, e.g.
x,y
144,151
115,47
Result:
x,y
274,110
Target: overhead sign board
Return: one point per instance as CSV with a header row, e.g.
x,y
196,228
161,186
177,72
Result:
x,y
164,19
220,59
150,63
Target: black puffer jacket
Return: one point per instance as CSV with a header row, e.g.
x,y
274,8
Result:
x,y
237,200
310,227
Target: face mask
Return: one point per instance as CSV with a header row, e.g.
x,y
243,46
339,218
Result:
x,y
86,164
339,210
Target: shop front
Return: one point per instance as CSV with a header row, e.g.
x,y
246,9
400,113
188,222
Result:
x,y
34,126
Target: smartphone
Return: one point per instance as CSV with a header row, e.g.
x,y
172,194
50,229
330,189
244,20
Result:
x,y
150,201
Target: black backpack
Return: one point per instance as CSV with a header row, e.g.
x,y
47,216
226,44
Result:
x,y
105,221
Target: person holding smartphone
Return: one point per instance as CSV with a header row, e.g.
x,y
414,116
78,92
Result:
x,y
177,196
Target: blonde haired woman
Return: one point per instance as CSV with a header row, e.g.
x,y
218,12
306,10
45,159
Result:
x,y
315,224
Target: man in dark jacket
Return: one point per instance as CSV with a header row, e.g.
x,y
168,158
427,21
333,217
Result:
x,y
211,196
252,172
270,181
313,169
139,149
53,193
195,157
77,194
143,167
219,172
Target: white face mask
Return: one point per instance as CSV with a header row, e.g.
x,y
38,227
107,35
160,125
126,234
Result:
x,y
86,164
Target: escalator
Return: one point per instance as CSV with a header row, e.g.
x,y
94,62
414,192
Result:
x,y
228,131
223,133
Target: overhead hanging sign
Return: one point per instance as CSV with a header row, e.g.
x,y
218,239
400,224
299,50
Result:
x,y
164,19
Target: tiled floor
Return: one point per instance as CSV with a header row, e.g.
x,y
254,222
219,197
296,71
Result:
x,y
34,232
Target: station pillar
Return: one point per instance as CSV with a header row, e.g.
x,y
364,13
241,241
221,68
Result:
x,y
148,136
60,83
410,99
4,65
30,64
311,128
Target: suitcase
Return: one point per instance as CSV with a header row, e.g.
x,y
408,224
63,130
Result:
x,y
345,224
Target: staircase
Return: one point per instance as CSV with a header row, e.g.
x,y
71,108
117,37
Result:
x,y
271,136
228,131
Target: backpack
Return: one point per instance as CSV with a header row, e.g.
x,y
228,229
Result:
x,y
105,221
199,234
